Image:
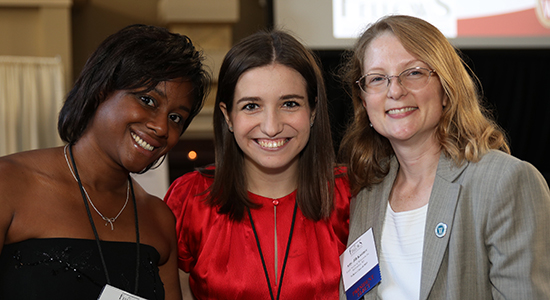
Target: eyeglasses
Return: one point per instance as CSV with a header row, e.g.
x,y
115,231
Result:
x,y
412,79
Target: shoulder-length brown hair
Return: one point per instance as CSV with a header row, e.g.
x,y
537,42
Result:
x,y
465,131
316,163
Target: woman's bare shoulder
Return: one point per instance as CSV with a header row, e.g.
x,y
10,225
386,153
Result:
x,y
22,177
19,170
14,168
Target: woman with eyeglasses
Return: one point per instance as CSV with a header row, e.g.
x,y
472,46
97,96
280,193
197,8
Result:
x,y
453,214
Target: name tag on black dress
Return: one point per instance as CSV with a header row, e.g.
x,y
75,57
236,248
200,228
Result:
x,y
112,293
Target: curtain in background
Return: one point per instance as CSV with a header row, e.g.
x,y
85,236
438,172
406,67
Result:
x,y
31,95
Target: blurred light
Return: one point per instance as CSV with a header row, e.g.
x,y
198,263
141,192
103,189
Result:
x,y
192,155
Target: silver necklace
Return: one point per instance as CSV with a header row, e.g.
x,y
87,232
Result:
x,y
110,221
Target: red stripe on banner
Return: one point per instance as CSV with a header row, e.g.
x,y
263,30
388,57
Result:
x,y
521,23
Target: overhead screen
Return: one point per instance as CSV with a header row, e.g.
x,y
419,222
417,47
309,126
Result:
x,y
334,24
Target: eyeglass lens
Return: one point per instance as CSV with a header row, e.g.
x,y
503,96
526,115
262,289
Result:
x,y
412,79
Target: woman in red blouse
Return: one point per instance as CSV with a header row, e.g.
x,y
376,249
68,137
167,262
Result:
x,y
270,219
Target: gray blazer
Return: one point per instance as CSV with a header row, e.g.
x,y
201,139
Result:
x,y
497,243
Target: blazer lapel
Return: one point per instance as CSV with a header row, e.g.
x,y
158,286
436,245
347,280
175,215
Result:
x,y
381,196
376,212
439,221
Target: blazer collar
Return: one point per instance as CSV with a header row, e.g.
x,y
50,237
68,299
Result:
x,y
382,193
441,208
448,170
439,221
375,211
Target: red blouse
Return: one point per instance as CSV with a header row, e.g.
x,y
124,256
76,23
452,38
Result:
x,y
222,256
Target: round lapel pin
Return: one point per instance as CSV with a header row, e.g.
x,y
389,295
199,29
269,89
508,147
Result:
x,y
441,230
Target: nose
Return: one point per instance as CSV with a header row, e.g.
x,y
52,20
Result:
x,y
272,123
159,124
395,89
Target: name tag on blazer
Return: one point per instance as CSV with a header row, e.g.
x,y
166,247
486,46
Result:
x,y
360,268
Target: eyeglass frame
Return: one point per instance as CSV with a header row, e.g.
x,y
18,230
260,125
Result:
x,y
358,81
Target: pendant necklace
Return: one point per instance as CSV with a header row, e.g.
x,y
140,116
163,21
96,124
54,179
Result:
x,y
286,253
110,221
96,235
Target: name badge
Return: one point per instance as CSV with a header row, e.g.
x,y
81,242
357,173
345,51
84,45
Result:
x,y
360,269
112,293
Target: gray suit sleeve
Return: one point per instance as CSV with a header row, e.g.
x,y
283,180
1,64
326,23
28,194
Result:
x,y
518,240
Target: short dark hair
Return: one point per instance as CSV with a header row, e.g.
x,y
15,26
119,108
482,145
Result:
x,y
138,56
316,163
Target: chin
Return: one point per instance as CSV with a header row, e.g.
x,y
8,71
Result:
x,y
275,167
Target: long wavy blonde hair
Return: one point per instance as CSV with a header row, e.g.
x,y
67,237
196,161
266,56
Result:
x,y
466,130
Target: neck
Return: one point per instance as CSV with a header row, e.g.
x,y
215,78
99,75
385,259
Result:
x,y
272,183
95,169
417,168
418,161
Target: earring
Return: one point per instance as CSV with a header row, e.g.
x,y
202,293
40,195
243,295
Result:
x,y
311,124
231,128
370,124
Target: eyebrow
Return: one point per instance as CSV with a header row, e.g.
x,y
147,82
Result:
x,y
163,94
414,61
284,97
185,108
247,99
406,65
292,96
158,91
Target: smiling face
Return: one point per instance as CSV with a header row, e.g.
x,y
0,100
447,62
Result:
x,y
139,127
399,114
270,118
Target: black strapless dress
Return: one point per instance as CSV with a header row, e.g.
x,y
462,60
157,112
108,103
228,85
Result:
x,y
65,268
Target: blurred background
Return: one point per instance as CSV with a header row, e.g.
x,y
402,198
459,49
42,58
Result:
x,y
45,43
